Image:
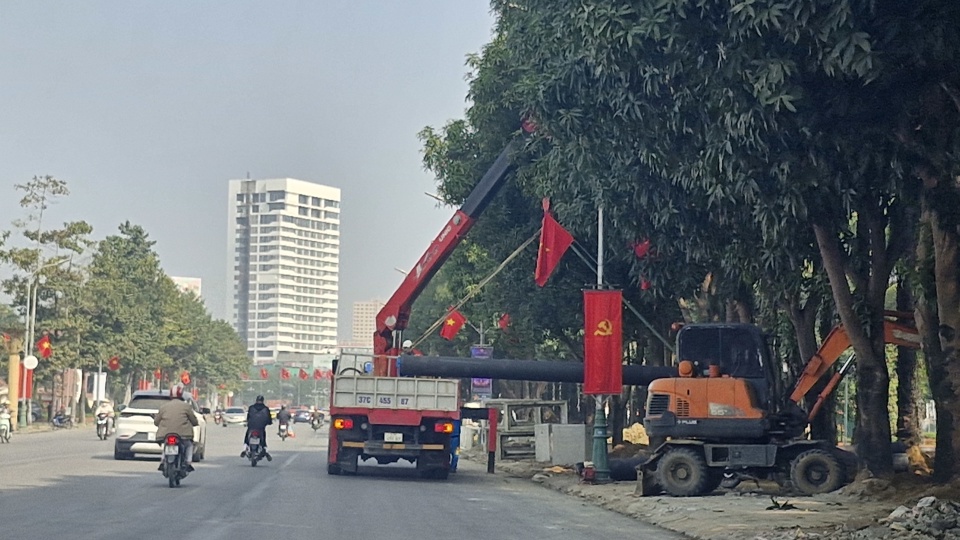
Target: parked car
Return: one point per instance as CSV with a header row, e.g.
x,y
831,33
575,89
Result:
x,y
136,433
235,415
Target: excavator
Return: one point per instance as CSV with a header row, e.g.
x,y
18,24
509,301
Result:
x,y
719,416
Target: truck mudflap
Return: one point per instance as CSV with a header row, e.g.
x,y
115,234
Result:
x,y
380,448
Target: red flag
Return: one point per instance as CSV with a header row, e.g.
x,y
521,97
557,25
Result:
x,y
26,381
284,374
603,342
641,249
504,321
554,242
264,374
304,375
318,374
44,346
185,377
328,374
114,363
454,322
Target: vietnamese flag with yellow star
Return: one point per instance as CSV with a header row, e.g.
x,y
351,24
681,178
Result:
x,y
452,324
44,346
554,242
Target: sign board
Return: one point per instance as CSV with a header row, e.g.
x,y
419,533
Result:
x,y
481,388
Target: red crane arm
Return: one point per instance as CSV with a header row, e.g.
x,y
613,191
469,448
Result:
x,y
396,312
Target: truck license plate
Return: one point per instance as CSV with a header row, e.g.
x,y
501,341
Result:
x,y
393,437
171,450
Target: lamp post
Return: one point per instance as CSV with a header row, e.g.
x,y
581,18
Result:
x,y
25,418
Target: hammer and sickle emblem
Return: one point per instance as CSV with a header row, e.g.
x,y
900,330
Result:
x,y
604,328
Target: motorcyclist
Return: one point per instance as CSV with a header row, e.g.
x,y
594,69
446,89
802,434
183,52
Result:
x,y
258,418
177,416
283,417
316,417
105,408
5,415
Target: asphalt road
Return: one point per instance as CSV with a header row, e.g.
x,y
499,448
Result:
x,y
66,484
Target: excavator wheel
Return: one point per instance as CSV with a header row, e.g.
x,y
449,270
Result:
x,y
816,471
684,473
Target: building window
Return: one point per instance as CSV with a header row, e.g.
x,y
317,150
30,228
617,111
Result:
x,y
276,195
239,197
316,213
331,204
303,211
267,219
303,199
276,206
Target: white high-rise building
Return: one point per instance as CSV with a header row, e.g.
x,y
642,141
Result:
x,y
283,261
365,322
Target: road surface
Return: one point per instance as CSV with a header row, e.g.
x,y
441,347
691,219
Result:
x,y
66,484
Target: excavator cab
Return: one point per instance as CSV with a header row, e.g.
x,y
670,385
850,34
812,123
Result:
x,y
723,392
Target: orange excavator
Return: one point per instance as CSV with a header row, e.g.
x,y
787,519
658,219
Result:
x,y
720,415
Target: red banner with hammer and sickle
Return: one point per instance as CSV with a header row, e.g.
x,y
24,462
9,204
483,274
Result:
x,y
603,342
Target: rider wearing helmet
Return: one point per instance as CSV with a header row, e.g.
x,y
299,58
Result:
x,y
283,416
177,416
258,418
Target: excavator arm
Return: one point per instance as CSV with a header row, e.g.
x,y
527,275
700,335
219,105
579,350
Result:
x,y
837,341
393,317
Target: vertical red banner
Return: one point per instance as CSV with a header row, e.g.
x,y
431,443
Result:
x,y
603,342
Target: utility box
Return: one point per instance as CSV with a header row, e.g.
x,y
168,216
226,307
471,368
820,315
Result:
x,y
560,444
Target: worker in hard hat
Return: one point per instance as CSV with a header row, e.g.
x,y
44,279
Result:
x,y
409,350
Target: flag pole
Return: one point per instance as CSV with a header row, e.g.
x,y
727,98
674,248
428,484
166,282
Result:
x,y
600,463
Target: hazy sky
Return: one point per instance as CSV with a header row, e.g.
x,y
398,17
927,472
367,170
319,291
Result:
x,y
146,109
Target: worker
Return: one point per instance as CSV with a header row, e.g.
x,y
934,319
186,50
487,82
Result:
x,y
409,350
455,445
177,416
258,418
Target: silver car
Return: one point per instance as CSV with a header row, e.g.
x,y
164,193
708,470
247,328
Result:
x,y
234,415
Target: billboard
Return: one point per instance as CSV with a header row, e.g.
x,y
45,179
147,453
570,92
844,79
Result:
x,y
481,388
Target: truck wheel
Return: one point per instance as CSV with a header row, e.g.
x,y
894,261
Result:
x,y
816,471
684,473
334,469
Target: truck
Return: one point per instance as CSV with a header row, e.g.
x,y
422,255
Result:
x,y
721,419
375,413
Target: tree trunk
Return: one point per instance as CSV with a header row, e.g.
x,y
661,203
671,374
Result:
x,y
804,320
873,382
908,411
945,234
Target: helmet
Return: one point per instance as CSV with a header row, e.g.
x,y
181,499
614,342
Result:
x,y
282,407
407,344
259,399
176,391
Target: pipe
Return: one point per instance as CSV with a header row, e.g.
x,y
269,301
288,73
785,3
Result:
x,y
519,370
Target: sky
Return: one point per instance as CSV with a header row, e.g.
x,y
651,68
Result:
x,y
147,109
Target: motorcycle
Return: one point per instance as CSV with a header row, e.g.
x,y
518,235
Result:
x,y
255,451
316,422
173,466
284,432
103,426
5,427
61,421
218,417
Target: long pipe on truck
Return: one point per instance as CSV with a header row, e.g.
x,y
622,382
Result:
x,y
520,370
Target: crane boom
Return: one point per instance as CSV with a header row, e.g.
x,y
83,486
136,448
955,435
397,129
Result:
x,y
395,314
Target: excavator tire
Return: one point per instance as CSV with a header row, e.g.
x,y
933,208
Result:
x,y
682,472
816,471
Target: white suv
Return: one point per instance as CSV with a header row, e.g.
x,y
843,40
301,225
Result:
x,y
136,433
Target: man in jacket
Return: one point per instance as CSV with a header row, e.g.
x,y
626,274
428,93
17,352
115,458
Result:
x,y
177,416
283,417
258,418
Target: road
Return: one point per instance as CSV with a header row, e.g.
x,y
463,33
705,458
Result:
x,y
66,484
